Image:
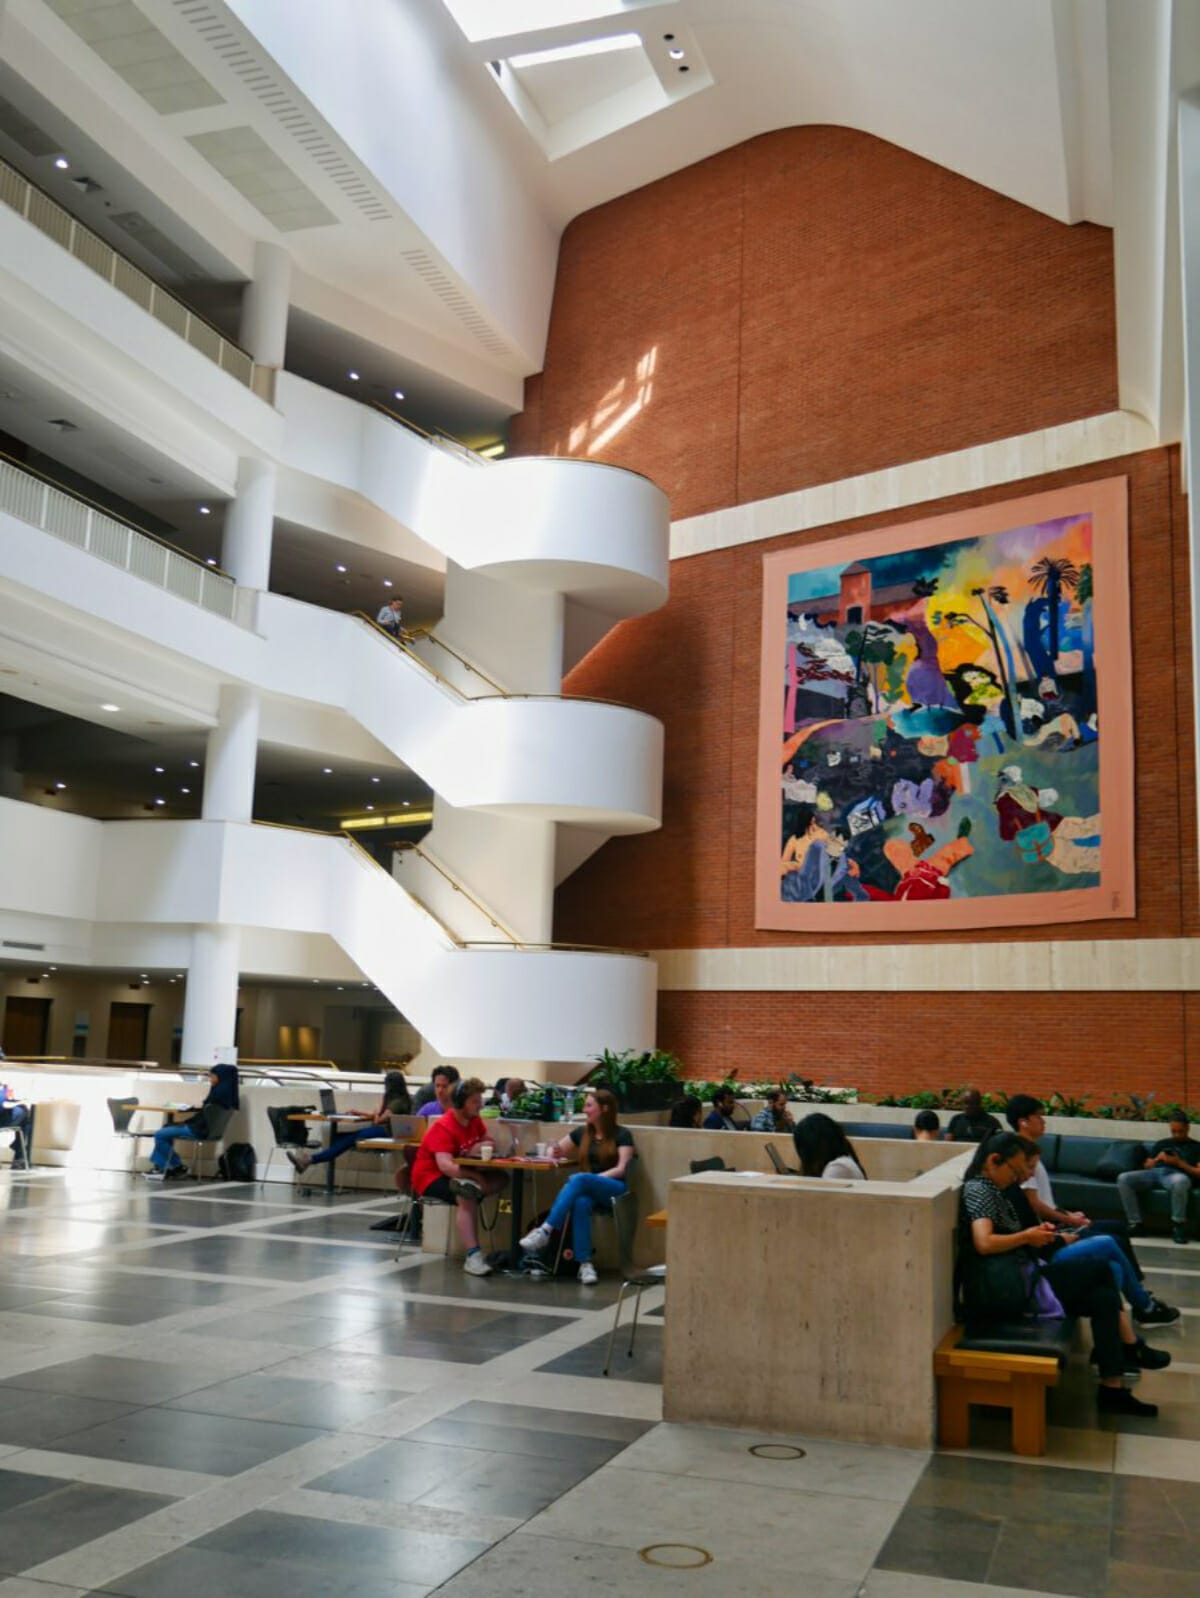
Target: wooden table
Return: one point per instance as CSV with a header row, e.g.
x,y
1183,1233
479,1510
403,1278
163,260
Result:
x,y
518,1166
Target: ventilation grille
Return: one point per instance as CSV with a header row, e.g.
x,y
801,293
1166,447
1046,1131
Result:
x,y
436,280
249,68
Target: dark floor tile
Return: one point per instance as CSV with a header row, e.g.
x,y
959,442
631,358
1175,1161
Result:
x,y
290,1400
1016,1492
15,1297
512,1486
74,1514
217,1445
415,1557
351,1227
17,1488
398,1472
1136,1581
1051,1558
440,1276
105,1311
1158,1552
275,1259
645,1365
30,1419
941,1542
137,1381
614,1428
519,1440
1151,1507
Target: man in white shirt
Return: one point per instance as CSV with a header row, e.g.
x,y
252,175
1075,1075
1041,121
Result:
x,y
390,617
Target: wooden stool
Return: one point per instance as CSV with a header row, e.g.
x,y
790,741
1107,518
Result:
x,y
1016,1382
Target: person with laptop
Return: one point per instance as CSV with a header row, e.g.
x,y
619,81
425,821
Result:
x,y
395,1101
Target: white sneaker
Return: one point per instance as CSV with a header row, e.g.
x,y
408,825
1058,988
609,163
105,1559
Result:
x,y
587,1274
476,1265
534,1242
154,1176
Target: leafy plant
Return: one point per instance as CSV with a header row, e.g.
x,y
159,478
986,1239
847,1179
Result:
x,y
622,1071
1065,1104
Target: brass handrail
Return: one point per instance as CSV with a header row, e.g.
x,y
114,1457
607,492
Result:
x,y
406,847
123,521
433,438
406,649
428,632
561,948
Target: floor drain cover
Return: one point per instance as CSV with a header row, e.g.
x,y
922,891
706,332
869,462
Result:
x,y
675,1556
776,1451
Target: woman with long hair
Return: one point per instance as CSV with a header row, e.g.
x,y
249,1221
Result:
x,y
396,1100
604,1150
826,1151
999,1262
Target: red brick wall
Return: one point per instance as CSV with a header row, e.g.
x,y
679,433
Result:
x,y
818,303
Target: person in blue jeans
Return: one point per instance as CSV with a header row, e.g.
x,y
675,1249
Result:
x,y
1173,1163
604,1151
1147,1310
222,1094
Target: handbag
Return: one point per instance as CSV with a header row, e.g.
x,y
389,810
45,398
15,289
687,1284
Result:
x,y
998,1287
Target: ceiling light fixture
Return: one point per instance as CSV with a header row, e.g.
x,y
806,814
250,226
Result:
x,y
158,770
327,771
339,568
376,779
370,807
160,801
111,709
353,376
210,561
387,582
677,54
205,510
61,162
195,765
398,393
185,790
60,786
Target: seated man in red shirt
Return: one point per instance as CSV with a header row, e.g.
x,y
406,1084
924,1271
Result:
x,y
437,1174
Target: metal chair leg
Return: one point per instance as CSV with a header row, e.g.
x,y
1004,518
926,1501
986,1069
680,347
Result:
x,y
612,1336
637,1304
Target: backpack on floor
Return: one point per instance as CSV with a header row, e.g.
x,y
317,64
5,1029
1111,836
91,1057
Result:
x,y
238,1163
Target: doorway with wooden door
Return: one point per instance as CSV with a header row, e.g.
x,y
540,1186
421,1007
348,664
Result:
x,y
128,1026
26,1025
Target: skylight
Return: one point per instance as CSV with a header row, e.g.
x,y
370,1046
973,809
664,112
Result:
x,y
575,52
497,19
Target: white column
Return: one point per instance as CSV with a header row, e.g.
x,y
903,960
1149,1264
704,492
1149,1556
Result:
x,y
249,523
210,998
262,332
231,756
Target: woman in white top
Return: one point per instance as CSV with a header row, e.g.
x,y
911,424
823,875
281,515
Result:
x,y
826,1151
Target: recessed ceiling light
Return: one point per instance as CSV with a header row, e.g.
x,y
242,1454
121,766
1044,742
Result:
x,y
60,786
158,770
210,561
160,801
398,393
205,510
339,567
677,54
185,790
112,709
353,376
195,765
373,779
341,989
408,801
327,771
387,582
61,162
316,980
370,807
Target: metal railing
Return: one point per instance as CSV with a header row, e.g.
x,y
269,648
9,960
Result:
x,y
34,498
440,437
510,936
468,665
36,206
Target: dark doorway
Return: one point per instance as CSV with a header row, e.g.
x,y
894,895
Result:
x,y
854,615
128,1025
26,1026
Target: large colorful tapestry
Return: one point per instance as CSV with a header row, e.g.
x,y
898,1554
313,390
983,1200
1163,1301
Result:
x,y
945,736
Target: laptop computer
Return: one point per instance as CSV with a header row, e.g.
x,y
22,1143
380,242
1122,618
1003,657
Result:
x,y
408,1127
328,1102
515,1138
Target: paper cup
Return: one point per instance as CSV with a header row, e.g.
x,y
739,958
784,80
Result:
x,y
486,1150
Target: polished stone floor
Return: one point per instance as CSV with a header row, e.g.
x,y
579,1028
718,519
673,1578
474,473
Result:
x,y
225,1389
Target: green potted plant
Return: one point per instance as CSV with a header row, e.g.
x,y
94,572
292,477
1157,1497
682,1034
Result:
x,y
641,1081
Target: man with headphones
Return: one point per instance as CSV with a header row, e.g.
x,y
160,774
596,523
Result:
x,y
436,1173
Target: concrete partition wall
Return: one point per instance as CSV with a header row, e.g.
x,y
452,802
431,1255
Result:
x,y
821,1302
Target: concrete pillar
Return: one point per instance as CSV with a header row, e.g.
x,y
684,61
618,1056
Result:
x,y
210,998
231,756
249,523
262,332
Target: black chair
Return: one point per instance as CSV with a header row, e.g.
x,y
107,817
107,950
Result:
x,y
652,1276
216,1118
288,1134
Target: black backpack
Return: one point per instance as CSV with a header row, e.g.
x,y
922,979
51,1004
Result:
x,y
238,1163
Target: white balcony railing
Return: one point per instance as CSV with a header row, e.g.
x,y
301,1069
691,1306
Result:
x,y
30,499
51,219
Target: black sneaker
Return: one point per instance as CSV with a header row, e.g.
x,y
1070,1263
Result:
x,y
177,1173
1147,1358
1119,1401
1179,1234
1156,1313
464,1187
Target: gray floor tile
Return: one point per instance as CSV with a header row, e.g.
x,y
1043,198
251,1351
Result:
x,y
942,1542
398,1473
17,1488
588,1360
218,1445
510,1485
288,1399
274,1259
1016,1492
137,1381
370,1551
441,1276
1166,1554
73,1514
1051,1558
105,1311
30,1419
615,1428
589,1452
1146,1506
353,1227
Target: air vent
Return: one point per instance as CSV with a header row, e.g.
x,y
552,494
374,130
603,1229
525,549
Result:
x,y
11,943
436,280
22,131
236,52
